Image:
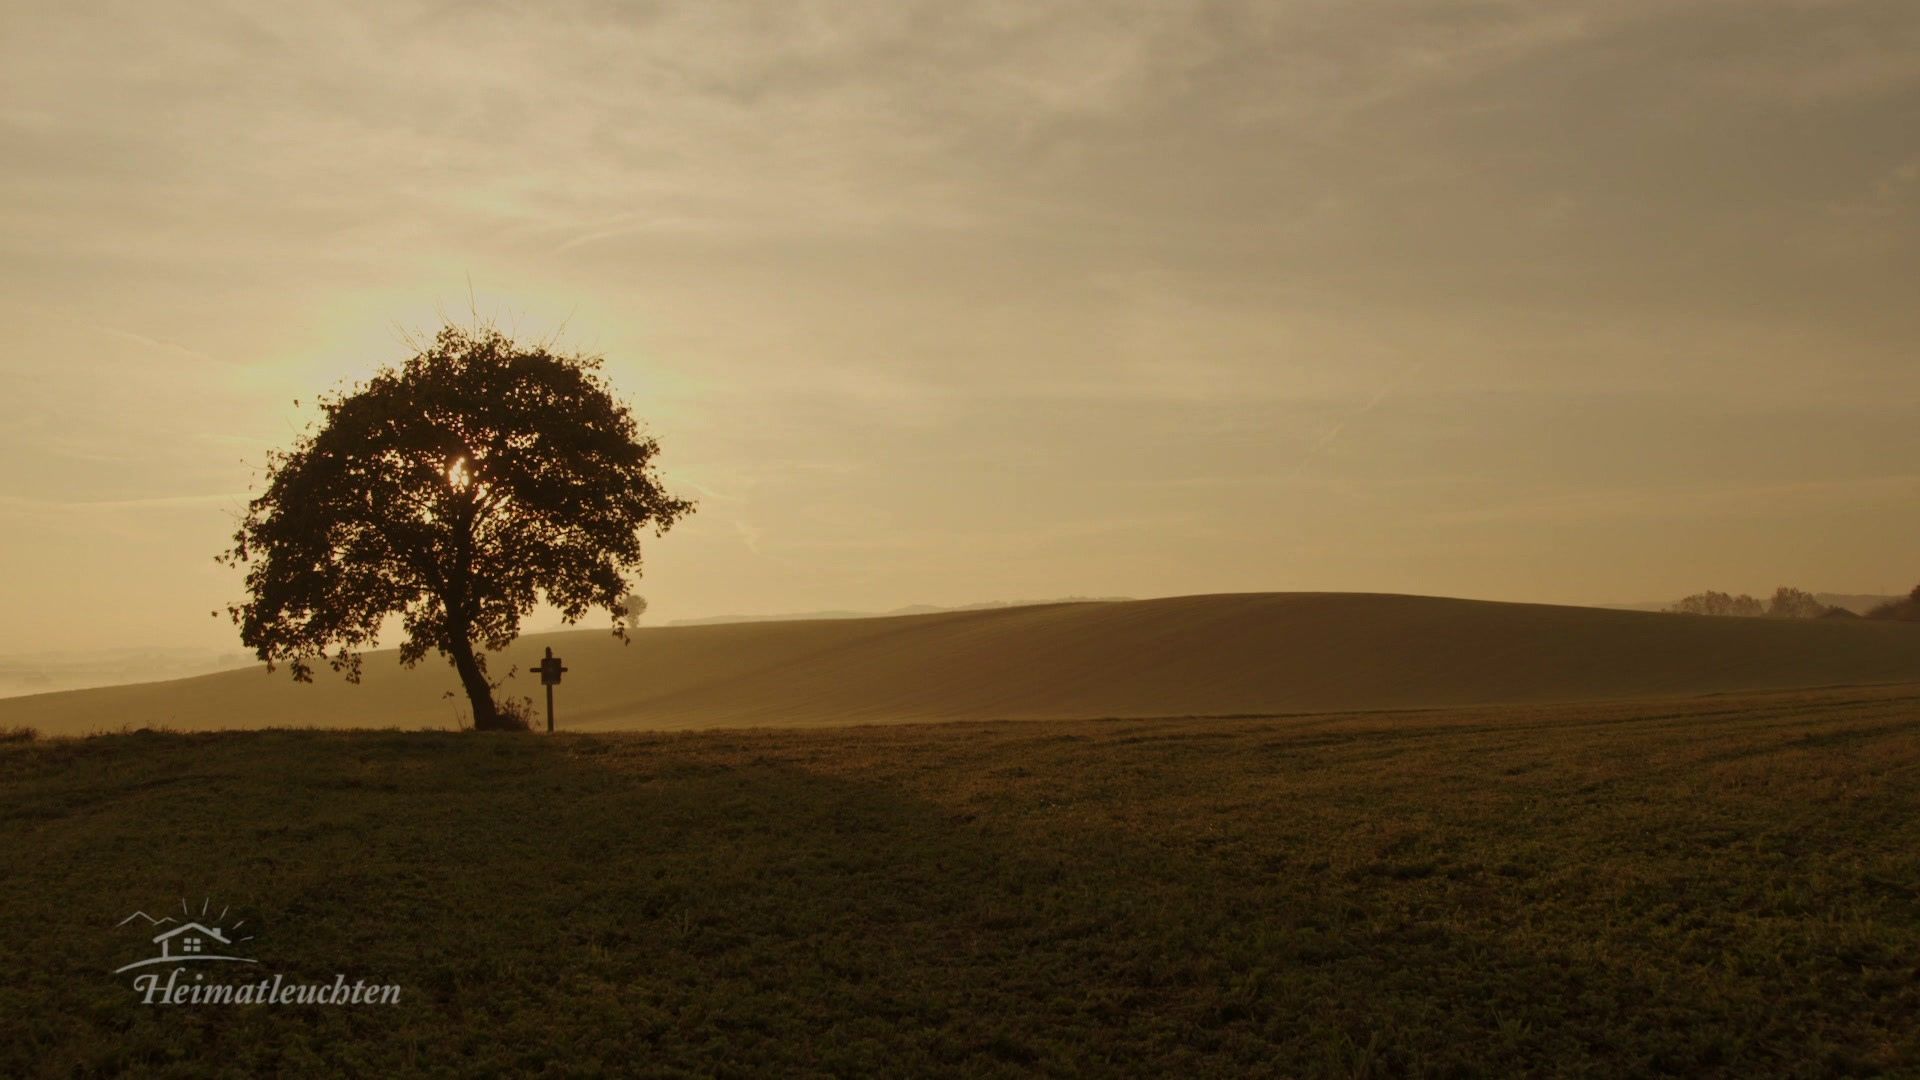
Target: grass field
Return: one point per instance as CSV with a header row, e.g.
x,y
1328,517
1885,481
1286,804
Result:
x,y
1707,886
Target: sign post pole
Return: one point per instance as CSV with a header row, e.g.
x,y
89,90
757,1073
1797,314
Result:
x,y
550,671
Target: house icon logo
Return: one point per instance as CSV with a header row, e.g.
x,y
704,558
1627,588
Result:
x,y
191,941
192,951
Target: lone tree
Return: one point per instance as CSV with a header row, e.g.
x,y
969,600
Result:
x,y
636,606
454,492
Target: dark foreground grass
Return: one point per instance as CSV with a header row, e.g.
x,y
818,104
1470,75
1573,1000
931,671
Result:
x,y
1711,887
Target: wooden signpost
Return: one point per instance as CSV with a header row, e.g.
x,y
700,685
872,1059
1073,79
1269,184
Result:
x,y
550,672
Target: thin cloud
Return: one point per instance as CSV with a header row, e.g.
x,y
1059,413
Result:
x,y
1762,500
20,502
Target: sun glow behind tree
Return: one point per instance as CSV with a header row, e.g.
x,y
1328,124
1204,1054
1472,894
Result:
x,y
458,491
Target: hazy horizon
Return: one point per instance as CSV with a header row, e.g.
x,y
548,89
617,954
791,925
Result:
x,y
54,671
1591,303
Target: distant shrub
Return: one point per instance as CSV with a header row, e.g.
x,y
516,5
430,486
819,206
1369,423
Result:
x,y
635,606
18,734
1790,603
1906,609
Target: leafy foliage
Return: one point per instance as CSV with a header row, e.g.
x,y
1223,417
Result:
x,y
632,606
455,491
1791,603
1787,603
1719,603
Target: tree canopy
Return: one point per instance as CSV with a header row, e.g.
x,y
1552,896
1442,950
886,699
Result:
x,y
1719,603
1787,603
1791,603
455,491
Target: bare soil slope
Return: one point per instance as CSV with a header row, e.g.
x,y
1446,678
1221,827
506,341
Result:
x,y
1183,656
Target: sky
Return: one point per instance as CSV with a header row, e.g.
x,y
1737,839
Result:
x,y
1590,301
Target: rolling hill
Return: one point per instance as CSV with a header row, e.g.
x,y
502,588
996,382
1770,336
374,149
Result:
x,y
1183,656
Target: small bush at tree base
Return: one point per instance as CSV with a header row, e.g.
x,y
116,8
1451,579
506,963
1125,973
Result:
x,y
516,714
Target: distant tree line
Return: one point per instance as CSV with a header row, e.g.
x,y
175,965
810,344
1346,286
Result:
x,y
1787,603
1791,603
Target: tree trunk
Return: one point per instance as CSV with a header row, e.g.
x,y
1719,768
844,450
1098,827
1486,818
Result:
x,y
485,716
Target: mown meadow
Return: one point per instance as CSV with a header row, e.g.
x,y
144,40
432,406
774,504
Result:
x,y
1711,886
